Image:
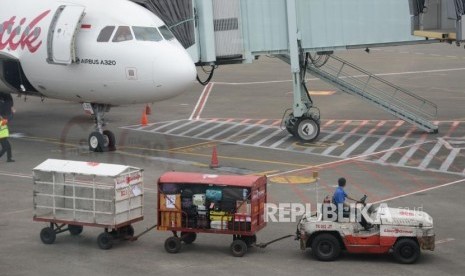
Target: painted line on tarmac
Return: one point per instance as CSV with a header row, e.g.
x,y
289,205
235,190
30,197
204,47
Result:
x,y
355,76
420,191
201,102
444,241
20,175
349,159
16,212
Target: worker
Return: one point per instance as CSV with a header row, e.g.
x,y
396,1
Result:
x,y
4,134
339,196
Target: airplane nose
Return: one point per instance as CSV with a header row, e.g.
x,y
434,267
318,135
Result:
x,y
173,71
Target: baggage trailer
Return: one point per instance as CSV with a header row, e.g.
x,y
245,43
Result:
x,y
70,195
191,203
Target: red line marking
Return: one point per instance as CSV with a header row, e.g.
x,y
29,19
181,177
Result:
x,y
452,129
86,26
376,127
277,122
399,123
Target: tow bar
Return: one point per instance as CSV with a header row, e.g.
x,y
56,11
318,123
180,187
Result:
x,y
263,245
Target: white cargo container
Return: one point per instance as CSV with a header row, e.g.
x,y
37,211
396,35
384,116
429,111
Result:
x,y
72,194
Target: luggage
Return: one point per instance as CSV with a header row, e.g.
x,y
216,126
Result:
x,y
186,203
220,216
219,225
199,200
202,210
214,194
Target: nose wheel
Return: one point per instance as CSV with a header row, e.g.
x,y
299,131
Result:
x,y
305,128
101,140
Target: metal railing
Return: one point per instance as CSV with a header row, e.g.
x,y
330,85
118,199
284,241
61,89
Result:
x,y
394,99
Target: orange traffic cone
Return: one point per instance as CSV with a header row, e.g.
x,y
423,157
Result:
x,y
214,162
148,109
143,120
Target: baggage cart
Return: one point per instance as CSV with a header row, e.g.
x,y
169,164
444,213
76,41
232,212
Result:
x,y
70,195
192,203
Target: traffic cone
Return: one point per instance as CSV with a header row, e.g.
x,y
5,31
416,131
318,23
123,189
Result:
x,y
148,109
214,162
143,120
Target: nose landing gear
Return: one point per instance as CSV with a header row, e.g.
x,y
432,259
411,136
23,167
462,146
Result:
x,y
306,128
101,140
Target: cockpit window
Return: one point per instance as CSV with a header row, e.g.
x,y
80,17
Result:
x,y
147,34
122,34
167,34
105,34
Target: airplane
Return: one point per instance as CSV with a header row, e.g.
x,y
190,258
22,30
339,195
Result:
x,y
101,54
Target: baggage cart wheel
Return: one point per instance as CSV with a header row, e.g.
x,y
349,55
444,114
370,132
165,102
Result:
x,y
406,251
325,247
188,237
75,229
48,235
238,248
249,240
130,231
105,241
124,232
173,245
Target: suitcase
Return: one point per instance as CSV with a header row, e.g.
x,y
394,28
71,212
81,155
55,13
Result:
x,y
186,203
219,225
199,200
214,194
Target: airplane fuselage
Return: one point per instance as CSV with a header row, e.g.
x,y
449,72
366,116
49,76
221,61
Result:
x,y
110,71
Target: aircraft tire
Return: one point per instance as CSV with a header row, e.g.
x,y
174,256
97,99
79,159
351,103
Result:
x,y
110,139
96,142
307,129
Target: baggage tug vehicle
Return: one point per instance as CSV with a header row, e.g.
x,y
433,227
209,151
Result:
x,y
381,230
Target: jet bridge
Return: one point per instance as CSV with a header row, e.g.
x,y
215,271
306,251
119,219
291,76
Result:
x,y
305,34
438,19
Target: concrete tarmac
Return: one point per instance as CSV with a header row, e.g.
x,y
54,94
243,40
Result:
x,y
382,157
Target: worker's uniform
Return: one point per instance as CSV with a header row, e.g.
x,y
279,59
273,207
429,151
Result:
x,y
4,134
339,199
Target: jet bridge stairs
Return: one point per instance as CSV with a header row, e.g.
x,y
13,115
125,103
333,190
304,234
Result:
x,y
375,90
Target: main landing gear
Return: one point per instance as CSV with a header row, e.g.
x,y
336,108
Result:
x,y
101,140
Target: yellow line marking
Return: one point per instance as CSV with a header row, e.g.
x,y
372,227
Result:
x,y
321,93
224,157
194,145
56,141
292,180
266,172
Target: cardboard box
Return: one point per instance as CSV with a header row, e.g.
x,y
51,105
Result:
x,y
170,202
170,219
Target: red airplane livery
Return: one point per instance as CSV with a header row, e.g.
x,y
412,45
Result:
x,y
28,38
